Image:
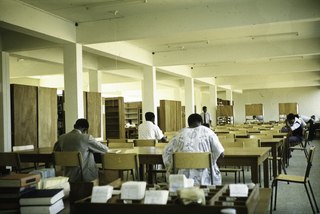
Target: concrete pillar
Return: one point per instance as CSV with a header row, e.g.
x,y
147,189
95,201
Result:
x,y
189,97
149,84
213,104
95,81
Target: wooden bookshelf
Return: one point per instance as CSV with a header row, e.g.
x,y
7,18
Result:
x,y
114,118
133,111
224,115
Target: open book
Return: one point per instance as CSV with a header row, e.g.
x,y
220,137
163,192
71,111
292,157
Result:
x,y
114,150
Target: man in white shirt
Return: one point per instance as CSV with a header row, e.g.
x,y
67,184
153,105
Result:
x,y
148,130
195,138
206,117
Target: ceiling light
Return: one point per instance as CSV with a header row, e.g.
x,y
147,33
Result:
x,y
274,35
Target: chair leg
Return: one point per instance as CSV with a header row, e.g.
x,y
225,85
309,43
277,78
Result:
x,y
308,194
275,195
314,199
271,200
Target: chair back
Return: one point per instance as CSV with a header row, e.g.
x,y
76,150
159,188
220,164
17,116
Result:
x,y
192,160
144,143
310,159
121,161
68,159
121,145
229,143
121,140
249,142
10,159
25,166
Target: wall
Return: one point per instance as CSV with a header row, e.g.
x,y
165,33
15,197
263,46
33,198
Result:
x,y
307,99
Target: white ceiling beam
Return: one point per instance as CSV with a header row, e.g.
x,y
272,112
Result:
x,y
35,22
134,74
270,67
218,15
239,52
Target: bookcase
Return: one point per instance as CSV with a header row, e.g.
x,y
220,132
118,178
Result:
x,y
114,118
133,111
61,115
224,115
254,110
92,107
170,115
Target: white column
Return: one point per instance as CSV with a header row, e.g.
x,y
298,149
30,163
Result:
x,y
5,112
149,99
189,97
94,81
229,95
73,85
213,104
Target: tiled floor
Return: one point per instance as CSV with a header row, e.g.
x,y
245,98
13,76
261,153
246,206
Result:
x,y
292,198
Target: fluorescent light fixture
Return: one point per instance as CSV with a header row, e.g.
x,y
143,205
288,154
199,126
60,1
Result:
x,y
274,35
281,58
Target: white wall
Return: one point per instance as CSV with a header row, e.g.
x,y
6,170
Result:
x,y
307,99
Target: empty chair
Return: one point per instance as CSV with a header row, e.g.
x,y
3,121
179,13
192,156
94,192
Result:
x,y
121,145
144,142
120,162
302,146
121,140
25,166
299,180
10,159
249,142
192,160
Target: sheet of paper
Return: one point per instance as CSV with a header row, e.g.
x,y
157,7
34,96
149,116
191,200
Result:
x,y
238,190
101,194
156,197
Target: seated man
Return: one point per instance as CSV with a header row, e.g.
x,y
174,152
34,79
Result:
x,y
149,130
195,138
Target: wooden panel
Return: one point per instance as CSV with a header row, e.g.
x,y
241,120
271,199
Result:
x,y
254,109
47,116
93,113
24,115
225,111
114,118
287,108
170,115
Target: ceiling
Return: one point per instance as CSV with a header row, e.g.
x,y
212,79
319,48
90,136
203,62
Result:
x,y
241,45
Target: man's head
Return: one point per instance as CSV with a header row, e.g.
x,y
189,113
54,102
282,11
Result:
x,y
204,108
194,120
313,117
149,116
81,124
290,118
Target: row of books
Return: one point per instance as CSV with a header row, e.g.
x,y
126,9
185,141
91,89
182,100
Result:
x,y
18,193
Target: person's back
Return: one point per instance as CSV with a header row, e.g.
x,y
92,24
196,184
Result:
x,y
78,140
195,138
148,130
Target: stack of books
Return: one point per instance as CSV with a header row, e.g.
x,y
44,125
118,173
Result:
x,y
42,201
12,187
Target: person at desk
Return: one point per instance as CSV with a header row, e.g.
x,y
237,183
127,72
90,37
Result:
x,y
195,138
149,130
206,117
294,128
130,124
79,140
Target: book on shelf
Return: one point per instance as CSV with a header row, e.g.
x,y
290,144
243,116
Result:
x,y
43,209
15,192
19,180
42,197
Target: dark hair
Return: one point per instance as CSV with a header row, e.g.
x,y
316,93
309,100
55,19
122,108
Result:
x,y
290,116
149,116
194,119
81,123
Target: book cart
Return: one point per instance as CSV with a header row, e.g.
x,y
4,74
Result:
x,y
216,199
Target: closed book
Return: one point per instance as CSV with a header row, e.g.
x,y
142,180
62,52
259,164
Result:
x,y
43,209
15,192
18,180
42,197
9,204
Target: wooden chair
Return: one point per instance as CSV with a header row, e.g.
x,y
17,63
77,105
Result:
x,y
120,162
143,142
11,159
68,159
230,169
299,180
192,160
302,146
121,145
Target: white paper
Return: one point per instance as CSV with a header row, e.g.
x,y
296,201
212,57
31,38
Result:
x,y
179,181
133,190
238,190
156,197
101,194
114,151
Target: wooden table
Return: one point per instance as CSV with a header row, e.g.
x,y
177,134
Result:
x,y
275,144
253,157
